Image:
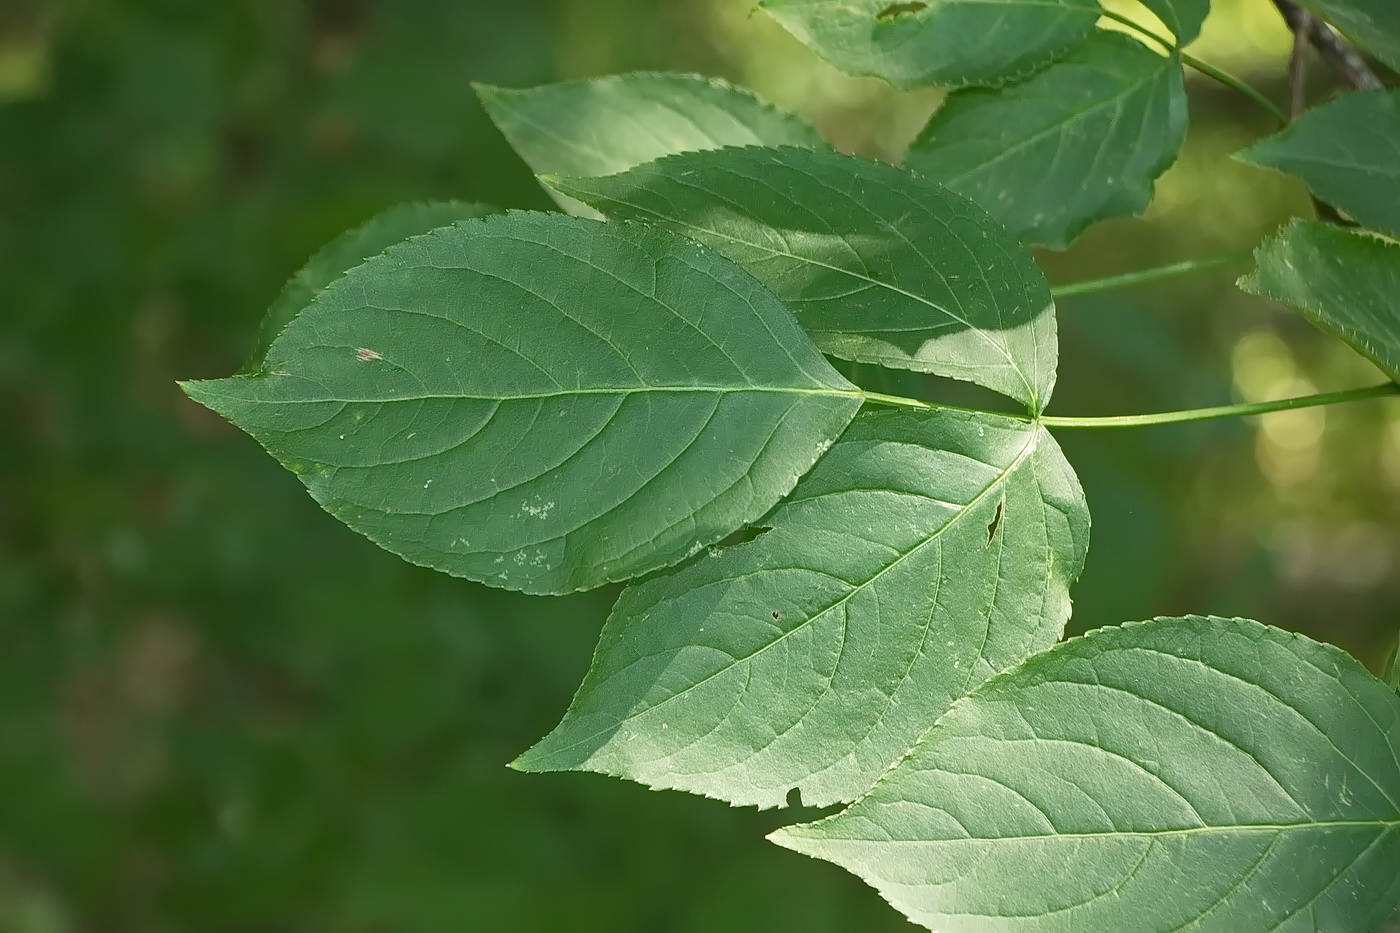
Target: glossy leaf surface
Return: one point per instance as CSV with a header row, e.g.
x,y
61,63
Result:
x,y
950,42
605,125
349,250
1346,283
1198,773
494,400
1082,140
924,553
1348,152
879,265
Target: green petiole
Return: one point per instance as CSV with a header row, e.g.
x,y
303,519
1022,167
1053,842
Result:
x,y
1165,417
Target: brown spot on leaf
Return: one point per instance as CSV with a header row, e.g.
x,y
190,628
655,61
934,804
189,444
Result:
x,y
365,355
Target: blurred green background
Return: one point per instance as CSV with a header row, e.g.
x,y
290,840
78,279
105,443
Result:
x,y
222,711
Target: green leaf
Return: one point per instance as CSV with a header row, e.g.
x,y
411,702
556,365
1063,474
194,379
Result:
x,y
1080,141
1348,152
1203,774
349,250
605,125
543,403
1182,17
1372,24
949,42
1347,283
924,553
879,265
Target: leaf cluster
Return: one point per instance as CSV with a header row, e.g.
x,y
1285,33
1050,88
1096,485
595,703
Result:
x,y
865,607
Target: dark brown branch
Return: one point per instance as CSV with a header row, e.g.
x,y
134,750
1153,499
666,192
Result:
x,y
1334,50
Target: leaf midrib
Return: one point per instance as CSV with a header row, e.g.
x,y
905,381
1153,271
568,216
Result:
x,y
723,390
1384,825
997,481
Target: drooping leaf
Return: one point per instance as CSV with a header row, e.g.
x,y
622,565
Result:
x,y
1347,283
1182,17
1082,140
543,403
349,250
605,125
1372,24
925,552
948,42
1348,152
1198,773
879,265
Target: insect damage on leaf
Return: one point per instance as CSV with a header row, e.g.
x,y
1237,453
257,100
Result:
x,y
896,10
366,355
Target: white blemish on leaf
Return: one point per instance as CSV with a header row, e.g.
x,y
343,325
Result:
x,y
366,355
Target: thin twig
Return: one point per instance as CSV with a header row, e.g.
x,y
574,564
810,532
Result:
x,y
1298,65
1334,50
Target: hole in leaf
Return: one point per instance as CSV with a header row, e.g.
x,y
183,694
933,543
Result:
x,y
776,615
743,536
896,10
794,798
996,522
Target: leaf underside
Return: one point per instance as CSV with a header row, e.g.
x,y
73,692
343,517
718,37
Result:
x,y
1348,153
1080,141
491,400
605,125
349,250
924,553
947,42
1197,773
880,266
1347,283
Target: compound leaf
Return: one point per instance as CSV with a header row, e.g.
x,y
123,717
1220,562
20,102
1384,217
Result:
x,y
349,250
1347,283
1197,773
949,42
925,552
1080,141
1372,24
879,265
543,403
1348,152
605,125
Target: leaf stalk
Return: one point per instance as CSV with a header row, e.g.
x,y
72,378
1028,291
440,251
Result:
x,y
1148,275
1245,409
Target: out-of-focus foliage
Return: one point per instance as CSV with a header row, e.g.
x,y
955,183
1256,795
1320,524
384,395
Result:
x,y
192,738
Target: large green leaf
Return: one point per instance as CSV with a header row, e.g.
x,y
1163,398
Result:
x,y
1182,17
950,42
1348,152
880,266
605,125
1373,24
543,403
1347,283
924,553
349,250
1082,140
1202,774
